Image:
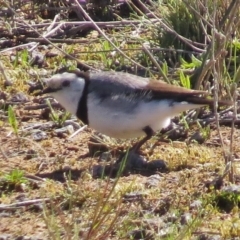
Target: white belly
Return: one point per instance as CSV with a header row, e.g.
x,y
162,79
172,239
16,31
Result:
x,y
116,123
127,119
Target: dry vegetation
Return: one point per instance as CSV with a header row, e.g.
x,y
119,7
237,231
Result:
x,y
186,185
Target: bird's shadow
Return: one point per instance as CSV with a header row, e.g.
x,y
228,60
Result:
x,y
125,165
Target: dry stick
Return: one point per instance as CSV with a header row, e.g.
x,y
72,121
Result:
x,y
49,32
185,40
77,132
17,47
231,158
59,49
199,75
23,204
227,154
134,8
55,40
41,106
156,63
198,14
106,37
141,49
90,24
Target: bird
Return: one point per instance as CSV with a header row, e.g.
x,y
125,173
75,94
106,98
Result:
x,y
123,105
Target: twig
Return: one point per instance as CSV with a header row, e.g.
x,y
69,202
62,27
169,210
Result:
x,y
156,63
42,106
26,45
158,49
56,47
90,24
78,131
56,40
23,204
106,37
50,31
216,86
231,172
199,75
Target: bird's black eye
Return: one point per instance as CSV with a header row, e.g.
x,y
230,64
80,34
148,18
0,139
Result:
x,y
65,83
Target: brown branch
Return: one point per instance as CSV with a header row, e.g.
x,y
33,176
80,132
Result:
x,y
4,207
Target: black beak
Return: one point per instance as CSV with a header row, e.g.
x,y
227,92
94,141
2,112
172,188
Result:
x,y
35,87
41,88
48,90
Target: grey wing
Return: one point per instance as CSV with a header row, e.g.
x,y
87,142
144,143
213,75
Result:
x,y
121,79
115,93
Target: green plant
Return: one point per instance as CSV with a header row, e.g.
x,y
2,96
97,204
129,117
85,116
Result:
x,y
59,119
22,58
227,200
205,131
106,57
185,80
15,177
13,120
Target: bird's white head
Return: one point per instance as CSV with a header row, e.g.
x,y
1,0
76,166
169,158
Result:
x,y
67,88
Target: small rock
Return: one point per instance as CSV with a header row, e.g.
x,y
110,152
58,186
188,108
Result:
x,y
205,236
215,184
185,218
6,237
68,129
153,181
38,207
97,171
39,135
31,153
96,148
52,154
157,165
7,83
72,148
20,238
73,123
155,223
21,197
138,234
197,137
133,196
3,96
133,161
19,97
232,189
4,214
165,232
178,133
196,204
172,218
37,59
51,53
105,157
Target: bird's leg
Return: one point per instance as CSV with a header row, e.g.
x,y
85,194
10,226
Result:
x,y
149,133
131,158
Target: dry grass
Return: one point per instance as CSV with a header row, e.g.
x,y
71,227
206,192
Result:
x,y
183,202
